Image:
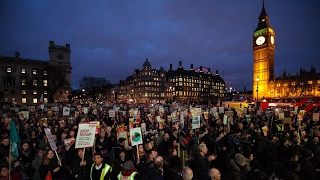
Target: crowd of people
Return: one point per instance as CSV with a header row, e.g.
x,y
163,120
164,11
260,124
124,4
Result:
x,y
255,148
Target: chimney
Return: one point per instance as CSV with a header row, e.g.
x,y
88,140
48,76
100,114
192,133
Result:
x,y
170,67
51,43
191,68
217,73
209,72
17,55
180,64
68,46
200,68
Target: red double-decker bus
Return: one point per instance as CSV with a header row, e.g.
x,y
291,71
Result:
x,y
309,103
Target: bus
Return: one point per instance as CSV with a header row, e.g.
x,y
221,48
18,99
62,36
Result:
x,y
308,103
237,104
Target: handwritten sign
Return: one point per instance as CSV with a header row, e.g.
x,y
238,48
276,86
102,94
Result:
x,y
50,139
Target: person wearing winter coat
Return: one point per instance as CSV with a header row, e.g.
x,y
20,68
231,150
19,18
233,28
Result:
x,y
36,163
236,168
81,168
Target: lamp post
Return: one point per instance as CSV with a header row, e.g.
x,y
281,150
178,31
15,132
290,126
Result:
x,y
257,88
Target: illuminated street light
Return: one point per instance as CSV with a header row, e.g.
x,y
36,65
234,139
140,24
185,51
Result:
x,y
257,88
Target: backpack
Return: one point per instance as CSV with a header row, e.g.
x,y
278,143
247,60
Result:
x,y
112,157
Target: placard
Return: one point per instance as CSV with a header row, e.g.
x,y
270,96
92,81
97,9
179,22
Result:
x,y
136,136
315,117
66,111
50,139
86,135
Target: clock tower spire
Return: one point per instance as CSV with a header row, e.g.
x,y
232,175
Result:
x,y
263,41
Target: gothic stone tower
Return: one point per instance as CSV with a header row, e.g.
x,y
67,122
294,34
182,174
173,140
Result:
x,y
263,41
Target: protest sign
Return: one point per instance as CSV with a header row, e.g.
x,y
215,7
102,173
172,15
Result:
x,y
315,117
66,111
23,115
86,135
136,136
50,139
112,113
97,126
196,118
69,142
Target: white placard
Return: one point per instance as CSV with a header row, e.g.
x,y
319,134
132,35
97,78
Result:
x,y
86,135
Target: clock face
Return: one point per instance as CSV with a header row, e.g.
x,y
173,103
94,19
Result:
x,y
272,39
260,40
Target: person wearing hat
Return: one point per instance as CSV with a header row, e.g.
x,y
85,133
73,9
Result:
x,y
129,172
236,168
119,162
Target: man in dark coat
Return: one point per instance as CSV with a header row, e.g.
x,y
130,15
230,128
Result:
x,y
201,163
307,171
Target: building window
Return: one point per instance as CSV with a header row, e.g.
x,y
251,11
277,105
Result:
x,y
24,91
293,83
34,92
45,92
13,91
45,100
13,99
9,70
23,82
34,71
45,82
45,73
309,82
34,82
35,100
23,70
24,100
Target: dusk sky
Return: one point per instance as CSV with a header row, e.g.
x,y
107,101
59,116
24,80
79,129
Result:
x,y
111,38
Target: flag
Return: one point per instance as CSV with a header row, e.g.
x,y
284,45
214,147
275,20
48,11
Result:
x,y
41,99
14,140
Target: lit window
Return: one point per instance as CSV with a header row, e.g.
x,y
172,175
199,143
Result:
x,y
309,82
293,83
34,82
34,71
13,99
35,92
45,82
23,70
45,73
24,91
35,100
8,70
45,92
23,82
45,100
24,100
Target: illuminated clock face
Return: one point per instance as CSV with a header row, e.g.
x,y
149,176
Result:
x,y
272,39
260,40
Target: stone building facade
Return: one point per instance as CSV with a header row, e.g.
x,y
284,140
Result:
x,y
25,80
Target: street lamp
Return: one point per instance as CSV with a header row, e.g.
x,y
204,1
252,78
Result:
x,y
257,88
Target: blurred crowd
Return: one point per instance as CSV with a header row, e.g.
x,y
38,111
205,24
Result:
x,y
256,148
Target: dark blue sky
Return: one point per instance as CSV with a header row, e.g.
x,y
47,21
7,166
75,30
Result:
x,y
112,38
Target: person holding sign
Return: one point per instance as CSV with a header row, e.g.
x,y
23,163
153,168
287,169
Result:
x,y
50,166
81,165
100,170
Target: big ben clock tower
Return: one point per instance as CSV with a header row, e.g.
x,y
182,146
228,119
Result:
x,y
263,56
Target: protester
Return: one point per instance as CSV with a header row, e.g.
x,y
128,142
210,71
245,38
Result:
x,y
36,163
81,165
99,169
50,166
219,145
